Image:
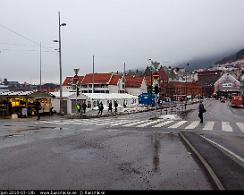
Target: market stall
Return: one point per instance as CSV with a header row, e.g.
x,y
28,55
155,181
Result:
x,y
22,103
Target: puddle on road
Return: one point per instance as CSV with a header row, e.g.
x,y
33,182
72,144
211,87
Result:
x,y
156,138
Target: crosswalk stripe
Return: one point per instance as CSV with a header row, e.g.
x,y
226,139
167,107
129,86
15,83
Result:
x,y
121,122
131,124
109,122
176,125
209,126
150,123
226,126
163,123
193,125
241,126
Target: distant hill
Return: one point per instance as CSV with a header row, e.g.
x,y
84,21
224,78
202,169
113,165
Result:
x,y
200,63
211,61
237,56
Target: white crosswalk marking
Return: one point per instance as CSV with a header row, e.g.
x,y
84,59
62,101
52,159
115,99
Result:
x,y
226,126
241,126
127,122
111,122
131,124
193,125
209,126
150,123
121,122
163,123
176,125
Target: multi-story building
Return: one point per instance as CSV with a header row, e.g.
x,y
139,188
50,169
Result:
x,y
135,85
207,79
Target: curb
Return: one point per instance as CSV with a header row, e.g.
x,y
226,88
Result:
x,y
209,170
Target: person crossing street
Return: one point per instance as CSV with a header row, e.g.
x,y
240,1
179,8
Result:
x,y
201,110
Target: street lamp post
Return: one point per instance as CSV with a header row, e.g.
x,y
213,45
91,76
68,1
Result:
x,y
60,62
151,79
186,88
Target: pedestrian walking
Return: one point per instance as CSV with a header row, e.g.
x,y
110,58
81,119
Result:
x,y
110,108
100,108
84,107
78,107
115,106
201,111
124,104
38,107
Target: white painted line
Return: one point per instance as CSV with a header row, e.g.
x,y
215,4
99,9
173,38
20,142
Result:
x,y
149,123
226,126
176,125
193,125
223,148
163,123
241,126
209,126
131,124
121,122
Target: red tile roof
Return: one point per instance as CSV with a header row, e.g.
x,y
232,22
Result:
x,y
99,78
133,81
68,80
115,79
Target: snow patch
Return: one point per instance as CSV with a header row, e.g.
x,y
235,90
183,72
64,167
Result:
x,y
170,117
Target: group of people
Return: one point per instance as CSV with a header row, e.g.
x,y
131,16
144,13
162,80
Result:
x,y
83,106
110,107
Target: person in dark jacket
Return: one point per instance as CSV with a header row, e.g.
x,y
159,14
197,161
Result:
x,y
100,108
115,106
201,111
110,108
84,107
38,107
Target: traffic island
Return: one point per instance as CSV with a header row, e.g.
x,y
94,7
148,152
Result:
x,y
225,173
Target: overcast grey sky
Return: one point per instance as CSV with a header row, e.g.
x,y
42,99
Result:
x,y
115,31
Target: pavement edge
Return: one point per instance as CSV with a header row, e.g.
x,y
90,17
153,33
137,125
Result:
x,y
207,167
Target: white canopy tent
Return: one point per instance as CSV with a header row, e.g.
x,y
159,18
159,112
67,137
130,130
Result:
x,y
92,100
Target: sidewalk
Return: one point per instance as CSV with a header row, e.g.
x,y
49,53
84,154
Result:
x,y
167,108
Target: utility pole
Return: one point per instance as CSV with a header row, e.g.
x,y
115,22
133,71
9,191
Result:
x,y
186,87
124,77
93,74
60,63
40,66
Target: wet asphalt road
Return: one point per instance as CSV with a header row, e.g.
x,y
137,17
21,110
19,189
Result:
x,y
217,111
61,155
94,157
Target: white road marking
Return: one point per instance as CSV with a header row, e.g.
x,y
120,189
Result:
x,y
149,123
163,123
223,148
131,124
121,122
209,126
226,126
193,125
176,125
241,126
